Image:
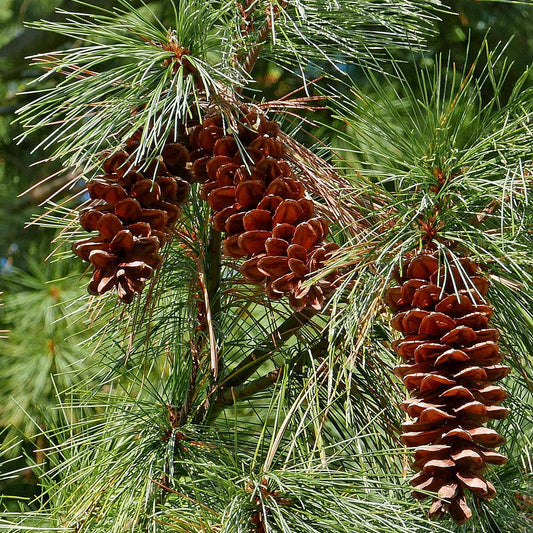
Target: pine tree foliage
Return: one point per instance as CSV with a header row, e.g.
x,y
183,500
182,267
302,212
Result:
x,y
210,406
442,159
43,352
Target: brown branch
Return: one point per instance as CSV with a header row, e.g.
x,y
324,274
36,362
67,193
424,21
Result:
x,y
322,179
478,219
251,59
214,257
204,303
166,488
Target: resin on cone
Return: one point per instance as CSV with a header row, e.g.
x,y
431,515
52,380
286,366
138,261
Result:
x,y
133,211
451,365
261,207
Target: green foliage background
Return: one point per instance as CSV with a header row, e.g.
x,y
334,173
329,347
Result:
x,y
121,408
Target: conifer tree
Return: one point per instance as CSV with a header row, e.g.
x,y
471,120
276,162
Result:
x,y
306,300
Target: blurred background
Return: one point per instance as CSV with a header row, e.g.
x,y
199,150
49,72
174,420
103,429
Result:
x,y
41,350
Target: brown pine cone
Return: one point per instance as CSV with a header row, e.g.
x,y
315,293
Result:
x,y
261,206
133,212
452,361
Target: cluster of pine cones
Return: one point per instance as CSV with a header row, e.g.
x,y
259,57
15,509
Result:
x,y
452,359
452,362
255,197
261,207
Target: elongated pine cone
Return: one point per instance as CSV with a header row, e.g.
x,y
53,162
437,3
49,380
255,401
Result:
x,y
133,211
261,206
452,361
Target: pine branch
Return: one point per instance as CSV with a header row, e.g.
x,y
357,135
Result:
x,y
47,189
31,41
265,349
347,31
251,59
322,179
150,87
254,361
229,395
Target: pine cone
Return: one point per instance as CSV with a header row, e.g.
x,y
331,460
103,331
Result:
x,y
261,206
452,361
133,213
